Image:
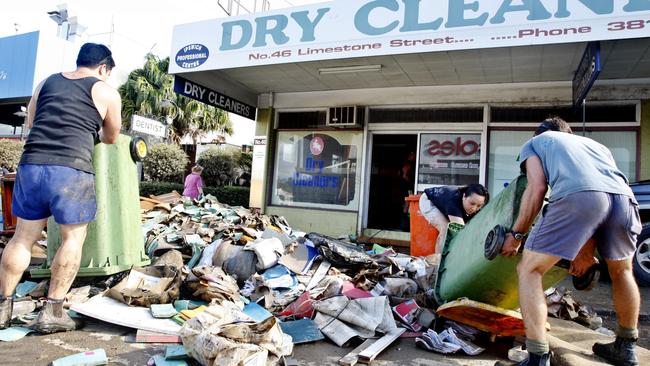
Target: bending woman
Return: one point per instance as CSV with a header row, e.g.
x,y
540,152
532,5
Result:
x,y
442,205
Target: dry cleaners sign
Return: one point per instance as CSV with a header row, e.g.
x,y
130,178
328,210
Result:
x,y
356,28
212,97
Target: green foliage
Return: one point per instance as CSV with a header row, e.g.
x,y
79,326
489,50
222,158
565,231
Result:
x,y
146,88
246,161
234,196
158,188
219,167
10,151
164,163
231,195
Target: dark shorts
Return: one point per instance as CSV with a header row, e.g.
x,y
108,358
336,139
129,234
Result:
x,y
566,225
41,191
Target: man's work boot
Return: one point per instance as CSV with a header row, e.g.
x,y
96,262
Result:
x,y
6,309
53,318
620,352
533,360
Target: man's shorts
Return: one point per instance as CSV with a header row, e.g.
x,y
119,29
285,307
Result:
x,y
566,225
41,191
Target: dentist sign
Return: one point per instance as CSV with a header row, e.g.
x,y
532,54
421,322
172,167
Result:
x,y
357,28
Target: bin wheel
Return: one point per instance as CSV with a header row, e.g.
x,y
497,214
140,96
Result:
x,y
139,149
494,242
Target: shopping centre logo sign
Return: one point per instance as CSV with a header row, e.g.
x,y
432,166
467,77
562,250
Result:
x,y
355,28
191,56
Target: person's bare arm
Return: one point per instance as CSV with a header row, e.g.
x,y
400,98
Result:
x,y
31,107
585,259
456,219
109,104
531,203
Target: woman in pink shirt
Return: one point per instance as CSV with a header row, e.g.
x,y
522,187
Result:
x,y
194,183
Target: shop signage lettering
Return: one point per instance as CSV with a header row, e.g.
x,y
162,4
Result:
x,y
211,97
148,126
404,16
316,181
357,28
455,148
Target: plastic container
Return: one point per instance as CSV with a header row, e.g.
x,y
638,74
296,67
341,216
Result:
x,y
465,272
423,234
9,220
115,241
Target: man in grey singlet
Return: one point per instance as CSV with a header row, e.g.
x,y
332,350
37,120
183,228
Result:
x,y
591,206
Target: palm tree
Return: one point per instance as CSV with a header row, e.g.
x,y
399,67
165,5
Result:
x,y
145,90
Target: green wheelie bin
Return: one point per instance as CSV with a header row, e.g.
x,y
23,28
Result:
x,y
115,241
465,272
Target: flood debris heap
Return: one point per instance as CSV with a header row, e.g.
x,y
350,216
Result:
x,y
240,288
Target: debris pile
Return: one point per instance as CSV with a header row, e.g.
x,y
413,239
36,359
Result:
x,y
562,305
240,288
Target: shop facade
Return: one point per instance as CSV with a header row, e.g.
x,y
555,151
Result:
x,y
361,103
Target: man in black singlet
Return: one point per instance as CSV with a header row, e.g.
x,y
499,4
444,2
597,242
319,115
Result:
x,y
68,114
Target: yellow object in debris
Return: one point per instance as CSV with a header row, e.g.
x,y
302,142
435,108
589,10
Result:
x,y
247,238
189,314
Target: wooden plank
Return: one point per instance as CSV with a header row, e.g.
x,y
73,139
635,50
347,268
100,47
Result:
x,y
151,200
171,197
352,358
373,351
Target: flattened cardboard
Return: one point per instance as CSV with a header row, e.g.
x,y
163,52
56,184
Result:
x,y
112,311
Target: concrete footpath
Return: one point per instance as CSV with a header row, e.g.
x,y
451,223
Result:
x,y
571,345
571,342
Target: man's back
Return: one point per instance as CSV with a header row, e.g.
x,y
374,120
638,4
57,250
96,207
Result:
x,y
66,124
575,164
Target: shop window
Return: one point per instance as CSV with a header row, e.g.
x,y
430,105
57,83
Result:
x,y
502,159
448,159
302,120
317,169
597,113
428,115
506,145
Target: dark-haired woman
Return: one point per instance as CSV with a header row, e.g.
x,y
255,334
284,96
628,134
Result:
x,y
445,204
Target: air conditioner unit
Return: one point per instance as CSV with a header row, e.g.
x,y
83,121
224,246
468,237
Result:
x,y
345,117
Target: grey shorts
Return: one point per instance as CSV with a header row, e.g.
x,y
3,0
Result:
x,y
566,225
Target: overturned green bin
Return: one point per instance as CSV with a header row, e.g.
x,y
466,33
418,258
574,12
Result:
x,y
115,241
464,271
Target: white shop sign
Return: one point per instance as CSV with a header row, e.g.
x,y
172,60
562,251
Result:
x,y
361,28
148,126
